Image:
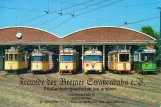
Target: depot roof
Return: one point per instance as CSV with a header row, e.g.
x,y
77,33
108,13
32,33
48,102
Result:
x,y
29,36
107,35
93,36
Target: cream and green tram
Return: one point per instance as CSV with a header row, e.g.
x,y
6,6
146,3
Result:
x,y
119,61
15,61
42,61
92,61
68,60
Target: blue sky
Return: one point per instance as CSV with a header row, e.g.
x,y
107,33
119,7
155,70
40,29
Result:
x,y
87,13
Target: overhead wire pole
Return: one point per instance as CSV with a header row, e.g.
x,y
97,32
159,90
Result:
x,y
126,15
160,31
48,5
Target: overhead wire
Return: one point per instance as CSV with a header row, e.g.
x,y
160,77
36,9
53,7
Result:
x,y
47,12
145,11
63,1
112,21
62,23
99,7
136,5
71,6
13,8
100,19
48,7
140,21
128,23
47,21
23,9
144,20
87,12
73,11
142,4
89,6
116,5
82,13
31,19
67,8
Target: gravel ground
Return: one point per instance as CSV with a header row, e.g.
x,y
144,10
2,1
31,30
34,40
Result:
x,y
12,94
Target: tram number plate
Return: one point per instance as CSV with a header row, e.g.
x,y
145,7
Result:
x,y
124,66
66,66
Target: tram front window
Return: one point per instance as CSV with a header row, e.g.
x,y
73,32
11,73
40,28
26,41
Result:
x,y
37,58
68,58
92,58
147,57
124,57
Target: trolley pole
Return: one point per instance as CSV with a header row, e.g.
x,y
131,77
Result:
x,y
160,31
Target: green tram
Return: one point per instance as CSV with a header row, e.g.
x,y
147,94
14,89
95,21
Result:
x,y
144,61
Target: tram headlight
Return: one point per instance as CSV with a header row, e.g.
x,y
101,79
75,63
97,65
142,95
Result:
x,y
87,65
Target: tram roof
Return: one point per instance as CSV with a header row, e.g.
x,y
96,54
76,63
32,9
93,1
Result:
x,y
145,51
93,52
103,35
120,50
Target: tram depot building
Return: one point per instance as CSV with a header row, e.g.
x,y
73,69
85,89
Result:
x,y
105,38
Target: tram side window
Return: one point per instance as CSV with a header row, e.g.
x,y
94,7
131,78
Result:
x,y
144,57
23,57
46,57
151,57
111,58
74,58
136,57
19,57
6,57
16,57
147,57
124,57
13,57
10,57
116,57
